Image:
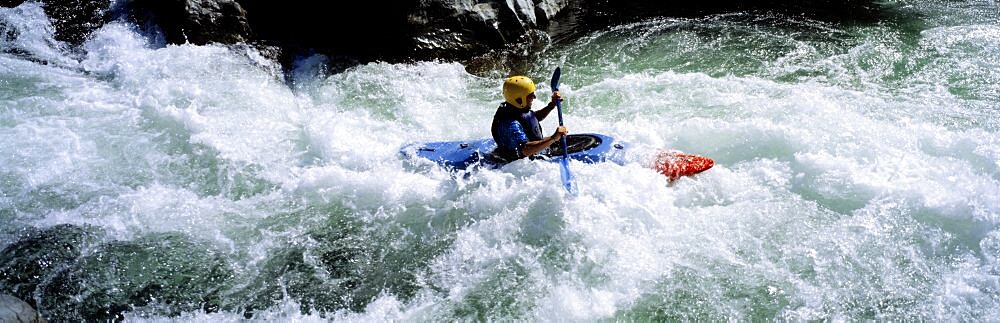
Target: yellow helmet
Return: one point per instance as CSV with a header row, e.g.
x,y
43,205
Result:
x,y
516,90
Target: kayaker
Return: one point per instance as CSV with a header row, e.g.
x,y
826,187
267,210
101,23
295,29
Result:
x,y
515,125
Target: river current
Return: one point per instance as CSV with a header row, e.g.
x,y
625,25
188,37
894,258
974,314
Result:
x,y
857,177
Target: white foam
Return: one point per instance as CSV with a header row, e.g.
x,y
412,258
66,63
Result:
x,y
27,29
825,197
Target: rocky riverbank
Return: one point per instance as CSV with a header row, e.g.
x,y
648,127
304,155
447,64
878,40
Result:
x,y
395,30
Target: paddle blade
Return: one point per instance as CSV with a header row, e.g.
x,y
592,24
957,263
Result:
x,y
555,79
567,178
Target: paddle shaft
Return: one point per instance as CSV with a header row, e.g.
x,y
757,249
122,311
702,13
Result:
x,y
564,163
555,88
559,110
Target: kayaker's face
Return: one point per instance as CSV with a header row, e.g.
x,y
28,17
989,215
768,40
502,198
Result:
x,y
529,99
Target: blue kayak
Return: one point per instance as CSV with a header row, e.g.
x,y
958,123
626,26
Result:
x,y
588,148
462,155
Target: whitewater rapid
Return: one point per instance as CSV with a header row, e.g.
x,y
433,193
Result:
x,y
857,177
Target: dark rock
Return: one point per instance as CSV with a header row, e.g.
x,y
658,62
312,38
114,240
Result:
x,y
472,31
15,310
73,20
39,254
515,59
461,29
171,270
372,29
197,22
270,51
11,3
400,30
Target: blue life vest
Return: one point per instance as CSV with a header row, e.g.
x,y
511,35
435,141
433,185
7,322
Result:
x,y
505,130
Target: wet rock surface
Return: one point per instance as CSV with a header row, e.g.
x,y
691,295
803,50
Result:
x,y
14,310
470,31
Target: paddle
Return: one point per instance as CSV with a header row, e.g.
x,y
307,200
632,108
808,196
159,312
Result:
x,y
567,178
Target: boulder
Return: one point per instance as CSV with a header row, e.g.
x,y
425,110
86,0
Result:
x,y
172,271
40,253
73,20
456,28
400,30
197,22
14,310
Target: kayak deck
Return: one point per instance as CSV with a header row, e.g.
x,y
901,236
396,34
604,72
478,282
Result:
x,y
460,155
588,148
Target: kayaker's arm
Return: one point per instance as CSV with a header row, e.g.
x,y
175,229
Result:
x,y
542,113
533,147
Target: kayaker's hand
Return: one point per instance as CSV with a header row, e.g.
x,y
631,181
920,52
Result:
x,y
556,97
561,131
